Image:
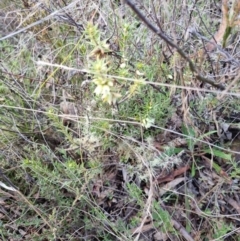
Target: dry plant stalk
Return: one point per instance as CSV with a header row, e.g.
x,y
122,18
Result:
x,y
228,21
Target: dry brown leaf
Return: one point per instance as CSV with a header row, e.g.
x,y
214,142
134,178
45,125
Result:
x,y
68,108
234,204
145,227
159,236
172,175
171,185
226,22
221,31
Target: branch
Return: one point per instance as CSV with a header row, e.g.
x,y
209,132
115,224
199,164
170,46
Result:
x,y
172,44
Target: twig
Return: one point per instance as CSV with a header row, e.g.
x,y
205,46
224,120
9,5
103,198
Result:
x,y
39,21
168,41
182,230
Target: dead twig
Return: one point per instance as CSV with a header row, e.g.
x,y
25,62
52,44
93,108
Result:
x,y
192,67
182,230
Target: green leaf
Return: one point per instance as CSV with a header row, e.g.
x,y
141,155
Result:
x,y
193,170
218,153
189,131
160,217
